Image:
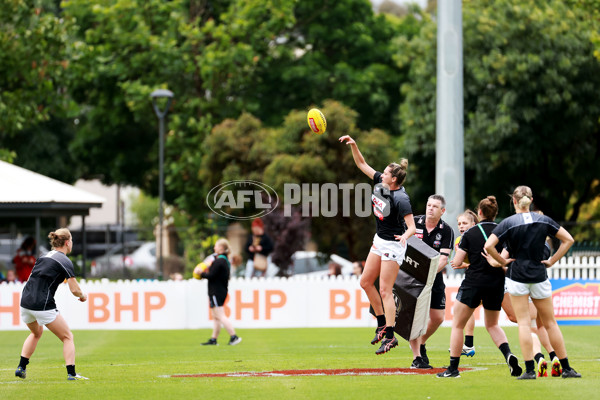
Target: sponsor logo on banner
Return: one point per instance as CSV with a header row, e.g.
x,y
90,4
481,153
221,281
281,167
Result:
x,y
577,302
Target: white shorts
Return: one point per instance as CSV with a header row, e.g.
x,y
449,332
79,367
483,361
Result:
x,y
42,317
540,290
388,250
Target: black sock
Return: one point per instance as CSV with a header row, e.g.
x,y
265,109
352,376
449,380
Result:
x,y
23,363
422,350
552,355
529,366
565,363
454,361
389,332
71,370
537,357
380,320
505,349
468,341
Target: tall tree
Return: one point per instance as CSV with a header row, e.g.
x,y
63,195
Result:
x,y
35,108
531,117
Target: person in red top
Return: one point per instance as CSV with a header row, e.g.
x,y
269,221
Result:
x,y
24,260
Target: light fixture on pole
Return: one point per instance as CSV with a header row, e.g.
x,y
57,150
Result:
x,y
161,114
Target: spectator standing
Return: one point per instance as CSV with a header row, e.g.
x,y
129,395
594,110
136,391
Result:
x,y
258,247
25,259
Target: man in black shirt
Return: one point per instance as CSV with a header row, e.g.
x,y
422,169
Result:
x,y
438,235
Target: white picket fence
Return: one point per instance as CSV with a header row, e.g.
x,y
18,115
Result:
x,y
299,301
571,268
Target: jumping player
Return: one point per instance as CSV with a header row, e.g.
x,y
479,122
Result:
x,y
392,209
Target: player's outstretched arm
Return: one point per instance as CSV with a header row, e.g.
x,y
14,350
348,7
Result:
x,y
76,290
359,160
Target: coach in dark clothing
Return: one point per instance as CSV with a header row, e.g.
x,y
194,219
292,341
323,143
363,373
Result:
x,y
438,235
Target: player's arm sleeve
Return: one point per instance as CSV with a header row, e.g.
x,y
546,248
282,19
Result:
x,y
553,227
464,242
377,177
448,238
499,231
212,271
70,269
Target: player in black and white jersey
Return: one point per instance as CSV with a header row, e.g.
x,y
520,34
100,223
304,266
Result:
x,y
524,236
395,224
37,301
483,284
438,235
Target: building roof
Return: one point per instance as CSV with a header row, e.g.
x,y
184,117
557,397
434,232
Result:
x,y
26,193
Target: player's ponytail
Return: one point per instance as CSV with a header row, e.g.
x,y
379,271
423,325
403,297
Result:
x,y
398,171
59,237
523,197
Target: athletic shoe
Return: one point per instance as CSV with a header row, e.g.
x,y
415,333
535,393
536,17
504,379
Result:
x,y
235,340
468,351
527,375
20,372
542,368
211,342
423,352
570,373
76,377
418,363
379,334
387,345
513,364
556,367
449,374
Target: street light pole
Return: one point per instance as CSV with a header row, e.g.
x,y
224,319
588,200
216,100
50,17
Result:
x,y
161,114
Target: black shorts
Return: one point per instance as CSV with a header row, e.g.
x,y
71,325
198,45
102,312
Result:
x,y
217,300
438,293
438,299
472,297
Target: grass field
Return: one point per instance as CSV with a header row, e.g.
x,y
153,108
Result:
x,y
135,365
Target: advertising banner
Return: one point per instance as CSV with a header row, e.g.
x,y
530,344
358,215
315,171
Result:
x,y
299,302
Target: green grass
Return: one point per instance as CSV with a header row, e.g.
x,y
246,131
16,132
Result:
x,y
129,365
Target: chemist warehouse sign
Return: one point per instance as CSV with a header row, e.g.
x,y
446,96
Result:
x,y
576,302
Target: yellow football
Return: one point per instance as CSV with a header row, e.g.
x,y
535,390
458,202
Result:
x,y
200,268
316,121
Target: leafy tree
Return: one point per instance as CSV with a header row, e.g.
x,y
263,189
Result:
x,y
530,84
34,106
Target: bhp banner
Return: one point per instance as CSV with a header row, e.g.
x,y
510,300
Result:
x,y
257,303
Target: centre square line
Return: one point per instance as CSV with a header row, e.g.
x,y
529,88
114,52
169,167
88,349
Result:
x,y
319,372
